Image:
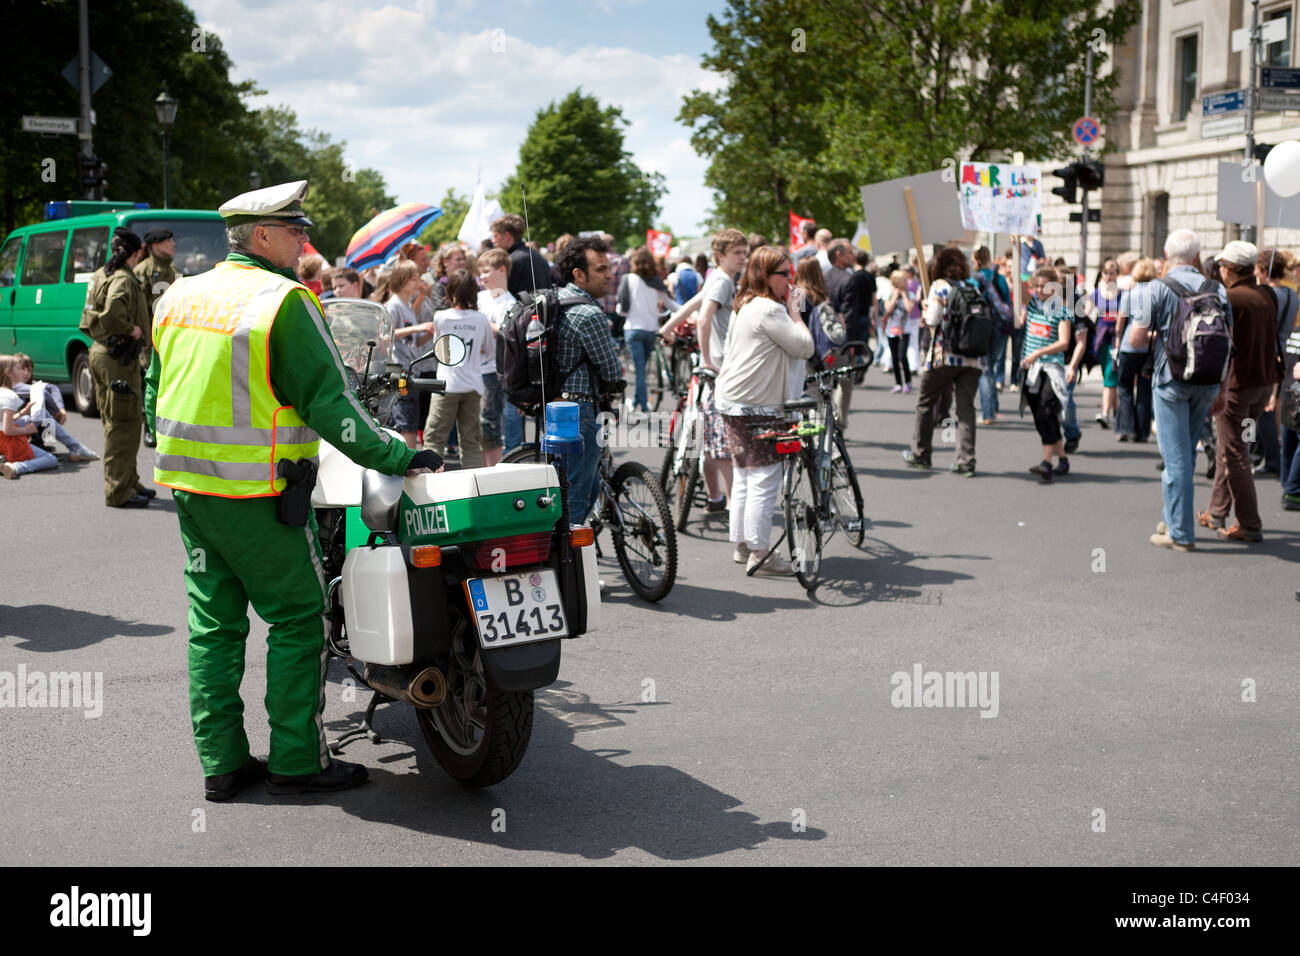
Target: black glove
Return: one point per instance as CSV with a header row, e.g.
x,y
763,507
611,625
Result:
x,y
425,459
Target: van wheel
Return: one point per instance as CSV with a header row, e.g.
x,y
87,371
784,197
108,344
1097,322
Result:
x,y
83,385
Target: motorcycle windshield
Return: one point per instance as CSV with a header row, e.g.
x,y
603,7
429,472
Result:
x,y
355,323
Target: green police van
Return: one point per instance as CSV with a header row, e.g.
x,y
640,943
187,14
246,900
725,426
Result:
x,y
45,269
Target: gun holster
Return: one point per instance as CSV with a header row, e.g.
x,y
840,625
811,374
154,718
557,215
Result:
x,y
123,348
294,504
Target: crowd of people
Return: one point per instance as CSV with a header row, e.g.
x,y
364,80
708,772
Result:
x,y
752,308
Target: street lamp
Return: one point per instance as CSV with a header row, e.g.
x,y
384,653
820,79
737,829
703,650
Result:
x,y
165,107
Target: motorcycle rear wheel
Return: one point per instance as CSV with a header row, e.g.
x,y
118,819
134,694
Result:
x,y
478,734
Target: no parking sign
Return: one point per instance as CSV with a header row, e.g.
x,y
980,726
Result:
x,y
1086,130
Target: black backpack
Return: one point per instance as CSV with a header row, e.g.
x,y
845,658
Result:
x,y
967,322
1198,340
523,367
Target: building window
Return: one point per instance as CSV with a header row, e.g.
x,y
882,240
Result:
x,y
1279,54
1186,92
1159,225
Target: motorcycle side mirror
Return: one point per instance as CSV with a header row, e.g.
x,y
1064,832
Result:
x,y
449,350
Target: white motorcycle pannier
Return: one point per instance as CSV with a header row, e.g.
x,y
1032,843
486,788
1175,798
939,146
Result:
x,y
377,602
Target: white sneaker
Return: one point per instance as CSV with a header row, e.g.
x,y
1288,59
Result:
x,y
741,554
775,565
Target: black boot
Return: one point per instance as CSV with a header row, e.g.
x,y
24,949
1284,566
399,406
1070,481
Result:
x,y
337,776
223,786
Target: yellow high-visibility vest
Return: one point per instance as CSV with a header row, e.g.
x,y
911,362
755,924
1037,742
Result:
x,y
220,427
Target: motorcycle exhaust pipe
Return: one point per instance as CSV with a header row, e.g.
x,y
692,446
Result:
x,y
420,687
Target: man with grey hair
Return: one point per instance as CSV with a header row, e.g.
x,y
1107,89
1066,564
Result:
x,y
245,381
822,239
1180,407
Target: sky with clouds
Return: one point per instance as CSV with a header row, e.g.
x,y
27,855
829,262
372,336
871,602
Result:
x,y
430,91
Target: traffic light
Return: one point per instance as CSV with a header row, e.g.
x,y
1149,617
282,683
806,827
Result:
x,y
1068,190
92,172
1091,174
1094,215
1262,151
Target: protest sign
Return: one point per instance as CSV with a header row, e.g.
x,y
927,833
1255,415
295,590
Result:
x,y
885,211
999,197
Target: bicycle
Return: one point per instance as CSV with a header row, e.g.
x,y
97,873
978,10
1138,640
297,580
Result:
x,y
631,504
683,464
819,485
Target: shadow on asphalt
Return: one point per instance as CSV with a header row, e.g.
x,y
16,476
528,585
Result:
x,y
889,574
704,604
657,809
44,627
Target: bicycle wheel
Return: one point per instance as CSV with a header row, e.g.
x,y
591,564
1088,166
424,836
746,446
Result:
x,y
686,487
644,540
846,498
654,379
530,451
803,531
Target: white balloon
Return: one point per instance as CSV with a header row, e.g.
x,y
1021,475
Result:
x,y
1282,168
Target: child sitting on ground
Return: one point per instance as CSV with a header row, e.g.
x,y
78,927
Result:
x,y
46,412
1047,335
17,456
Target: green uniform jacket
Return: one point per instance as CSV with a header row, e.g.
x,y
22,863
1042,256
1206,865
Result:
x,y
307,373
114,304
153,272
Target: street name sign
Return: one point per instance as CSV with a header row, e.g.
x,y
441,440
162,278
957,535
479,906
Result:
x,y
1223,126
50,124
1220,104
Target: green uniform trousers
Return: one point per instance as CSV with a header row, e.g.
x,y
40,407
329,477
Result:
x,y
239,552
123,416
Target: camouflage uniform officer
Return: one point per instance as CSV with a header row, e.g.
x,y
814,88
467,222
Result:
x,y
116,317
156,273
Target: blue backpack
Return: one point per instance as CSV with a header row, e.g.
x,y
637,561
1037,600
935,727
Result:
x,y
827,329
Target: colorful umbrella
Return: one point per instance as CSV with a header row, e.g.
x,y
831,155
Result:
x,y
380,239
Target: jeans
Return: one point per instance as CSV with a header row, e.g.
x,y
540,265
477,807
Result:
x,y
1290,462
1071,423
41,460
898,358
512,426
1180,411
60,434
490,414
1017,347
640,344
582,465
1134,414
993,375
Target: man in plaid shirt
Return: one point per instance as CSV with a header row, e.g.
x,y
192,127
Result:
x,y
584,346
618,267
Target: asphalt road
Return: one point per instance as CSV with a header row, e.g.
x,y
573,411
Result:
x,y
1121,735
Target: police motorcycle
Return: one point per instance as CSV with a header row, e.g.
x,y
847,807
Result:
x,y
449,591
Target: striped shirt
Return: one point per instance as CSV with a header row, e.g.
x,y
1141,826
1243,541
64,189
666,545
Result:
x,y
1043,330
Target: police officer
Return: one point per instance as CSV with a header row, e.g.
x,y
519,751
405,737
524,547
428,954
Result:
x,y
156,273
244,382
117,318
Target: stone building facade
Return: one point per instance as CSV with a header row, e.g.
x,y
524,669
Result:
x,y
1161,173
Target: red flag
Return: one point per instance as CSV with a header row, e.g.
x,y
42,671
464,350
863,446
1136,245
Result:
x,y
659,242
796,231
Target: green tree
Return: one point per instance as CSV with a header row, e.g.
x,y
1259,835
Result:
x,y
577,176
454,206
146,45
823,97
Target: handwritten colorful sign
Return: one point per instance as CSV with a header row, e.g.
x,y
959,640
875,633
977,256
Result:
x,y
997,197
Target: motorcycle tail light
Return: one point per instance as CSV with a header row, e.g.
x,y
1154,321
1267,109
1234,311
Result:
x,y
426,556
501,554
582,537
789,446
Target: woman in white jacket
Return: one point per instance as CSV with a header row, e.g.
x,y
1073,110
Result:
x,y
763,336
